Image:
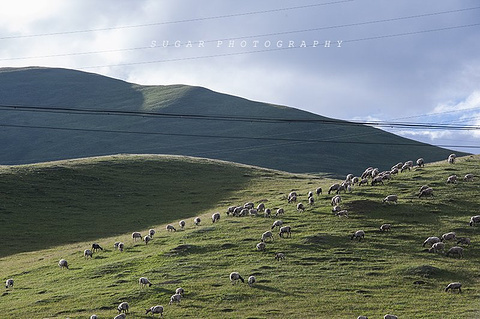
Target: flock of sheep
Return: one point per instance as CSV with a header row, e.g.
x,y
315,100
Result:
x,y
370,175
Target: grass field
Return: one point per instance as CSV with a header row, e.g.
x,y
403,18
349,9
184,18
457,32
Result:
x,y
56,210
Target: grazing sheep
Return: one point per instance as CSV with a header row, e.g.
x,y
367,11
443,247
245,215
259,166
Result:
x,y
292,194
123,307
474,220
234,276
230,210
430,241
454,285
155,310
248,205
426,192
449,236
420,162
121,246
267,212
362,317
300,207
136,235
63,264
151,232
336,209
170,227
367,173
318,191
180,291
175,298
9,283
197,221
391,199
215,217
386,227
390,317
468,178
310,194
342,213
334,187
377,180
277,223
279,256
261,207
363,181
253,212
120,316
437,247
87,253
181,224
394,171
359,234
336,200
115,245
280,211
285,230
451,158
143,281
463,241
147,239
311,201
261,246
251,280
93,317
96,247
267,234
452,179
455,251
292,199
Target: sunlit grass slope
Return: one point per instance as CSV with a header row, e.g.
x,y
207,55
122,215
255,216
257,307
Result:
x,y
324,275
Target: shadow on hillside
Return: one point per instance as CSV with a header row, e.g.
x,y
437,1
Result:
x,y
270,289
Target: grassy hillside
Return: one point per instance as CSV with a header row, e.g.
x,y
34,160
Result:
x,y
324,275
31,137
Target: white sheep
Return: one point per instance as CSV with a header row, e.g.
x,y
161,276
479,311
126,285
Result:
x,y
390,317
277,223
115,245
452,179
386,227
363,181
280,211
215,217
336,200
87,253
151,232
251,280
143,281
266,235
463,241
170,227
147,239
391,199
253,212
449,236
342,213
9,283
123,307
426,192
121,246
197,221
431,240
93,317
451,158
267,212
455,251
120,316
63,264
359,234
310,194
334,187
279,256
454,285
261,246
175,298
420,162
318,191
437,247
377,180
336,209
285,230
362,317
180,291
300,207
155,310
136,235
474,220
96,247
261,207
234,276
181,224
311,201
248,205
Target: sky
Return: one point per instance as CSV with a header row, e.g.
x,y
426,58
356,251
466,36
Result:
x,y
403,61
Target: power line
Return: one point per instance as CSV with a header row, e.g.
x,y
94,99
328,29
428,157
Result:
x,y
69,110
225,136
177,21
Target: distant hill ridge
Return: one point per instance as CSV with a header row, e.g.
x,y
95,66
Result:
x,y
38,136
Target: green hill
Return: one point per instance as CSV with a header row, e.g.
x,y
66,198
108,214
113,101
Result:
x,y
308,145
70,204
